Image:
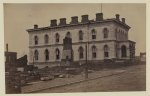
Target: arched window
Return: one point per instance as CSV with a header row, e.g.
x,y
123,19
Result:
x,y
123,51
94,51
93,34
57,54
105,32
35,40
68,35
80,35
46,54
57,37
46,38
81,54
36,55
106,49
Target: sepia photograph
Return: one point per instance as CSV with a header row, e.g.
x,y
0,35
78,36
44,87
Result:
x,y
74,47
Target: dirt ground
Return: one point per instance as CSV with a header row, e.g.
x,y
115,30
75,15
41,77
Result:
x,y
133,79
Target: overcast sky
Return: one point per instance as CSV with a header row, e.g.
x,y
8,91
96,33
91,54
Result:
x,y
19,17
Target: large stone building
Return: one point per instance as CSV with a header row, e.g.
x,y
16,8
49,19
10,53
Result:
x,y
95,40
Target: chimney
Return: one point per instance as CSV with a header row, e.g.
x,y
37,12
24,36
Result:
x,y
53,22
123,20
84,18
6,47
117,17
35,26
99,16
62,21
74,20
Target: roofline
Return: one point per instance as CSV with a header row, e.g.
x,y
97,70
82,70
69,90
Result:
x,y
10,52
90,22
128,41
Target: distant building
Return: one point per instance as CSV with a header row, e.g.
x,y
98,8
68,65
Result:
x,y
12,67
63,43
11,58
11,61
143,57
22,61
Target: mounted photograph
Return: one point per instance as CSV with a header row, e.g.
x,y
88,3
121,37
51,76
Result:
x,y
74,47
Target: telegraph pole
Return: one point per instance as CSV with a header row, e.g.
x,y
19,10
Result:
x,y
87,52
33,58
86,65
101,7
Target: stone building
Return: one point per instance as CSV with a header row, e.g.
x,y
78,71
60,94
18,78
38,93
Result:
x,y
12,62
63,43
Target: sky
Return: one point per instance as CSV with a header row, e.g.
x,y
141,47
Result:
x,y
20,17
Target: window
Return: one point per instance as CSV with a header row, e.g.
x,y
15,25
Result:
x,y
80,35
46,54
123,51
105,32
35,40
57,54
93,34
94,51
81,56
36,53
57,37
106,49
46,38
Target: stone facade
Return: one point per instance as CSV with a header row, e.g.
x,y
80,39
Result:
x,y
105,39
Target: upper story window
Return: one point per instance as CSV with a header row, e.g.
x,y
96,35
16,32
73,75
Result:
x,y
36,55
93,34
35,40
57,54
94,49
57,37
46,54
80,35
46,38
81,54
105,32
106,49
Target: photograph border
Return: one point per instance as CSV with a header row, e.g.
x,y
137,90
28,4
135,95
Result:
x,y
132,93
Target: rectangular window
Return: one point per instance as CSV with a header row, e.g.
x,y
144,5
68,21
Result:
x,y
57,57
81,56
47,57
94,55
57,40
36,42
105,35
106,54
80,38
93,36
36,57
